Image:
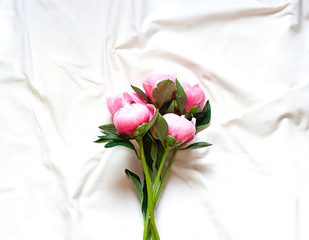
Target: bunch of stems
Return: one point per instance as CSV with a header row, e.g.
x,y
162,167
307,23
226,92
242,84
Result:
x,y
154,188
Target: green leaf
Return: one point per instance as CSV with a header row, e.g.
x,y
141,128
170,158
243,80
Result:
x,y
152,121
154,151
147,141
137,184
101,140
160,154
196,145
171,107
124,143
201,128
203,118
108,128
153,154
109,136
181,98
163,93
145,199
140,93
161,128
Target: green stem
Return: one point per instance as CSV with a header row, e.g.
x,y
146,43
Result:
x,y
150,206
155,231
164,177
159,172
146,227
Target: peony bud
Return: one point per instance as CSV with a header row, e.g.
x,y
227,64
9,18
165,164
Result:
x,y
129,117
152,81
179,127
117,102
133,97
195,95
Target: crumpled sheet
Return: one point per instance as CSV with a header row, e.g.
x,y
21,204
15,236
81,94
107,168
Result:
x,y
60,60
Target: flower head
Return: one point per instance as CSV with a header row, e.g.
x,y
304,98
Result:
x,y
195,95
119,101
179,127
152,81
130,116
115,103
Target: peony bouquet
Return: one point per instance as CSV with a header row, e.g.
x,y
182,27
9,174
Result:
x,y
164,118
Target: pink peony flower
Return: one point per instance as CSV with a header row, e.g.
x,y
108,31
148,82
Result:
x,y
117,102
132,96
130,116
152,81
179,127
195,95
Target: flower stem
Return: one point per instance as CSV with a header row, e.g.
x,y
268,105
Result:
x,y
150,205
146,227
155,230
159,172
164,177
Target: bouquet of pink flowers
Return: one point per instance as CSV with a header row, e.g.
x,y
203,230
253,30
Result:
x,y
163,119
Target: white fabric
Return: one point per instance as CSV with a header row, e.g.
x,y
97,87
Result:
x,y
59,60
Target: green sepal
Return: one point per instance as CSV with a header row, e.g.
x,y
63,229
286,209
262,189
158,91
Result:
x,y
170,141
194,109
163,93
196,145
137,184
140,130
124,143
140,93
177,144
181,98
108,128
